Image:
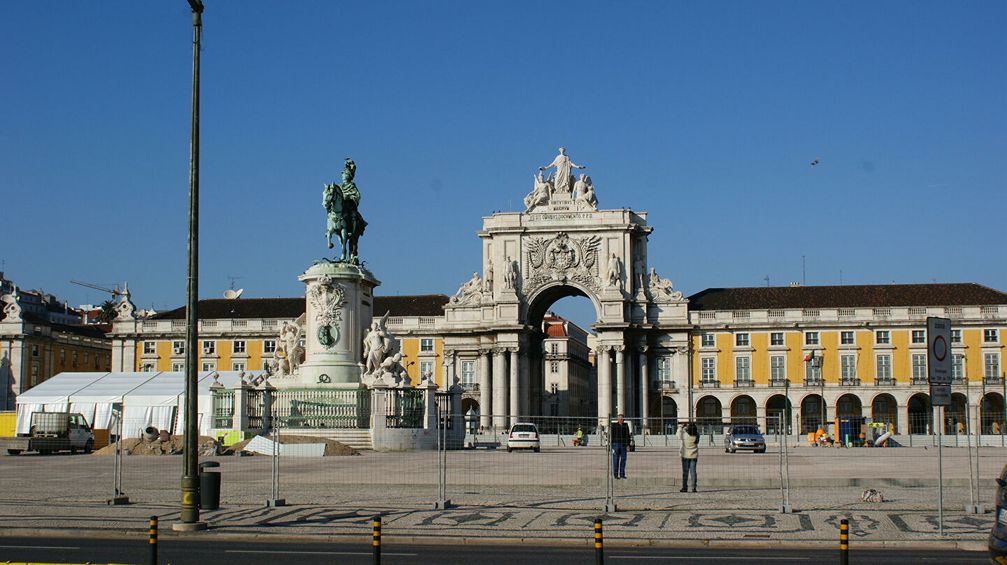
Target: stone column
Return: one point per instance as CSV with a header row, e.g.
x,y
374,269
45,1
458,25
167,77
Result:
x,y
604,385
485,408
620,379
516,391
500,386
644,389
448,361
525,377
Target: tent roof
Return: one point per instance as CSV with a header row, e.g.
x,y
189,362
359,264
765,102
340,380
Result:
x,y
112,388
58,388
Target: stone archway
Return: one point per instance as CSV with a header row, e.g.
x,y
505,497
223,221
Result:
x,y
812,413
561,245
884,409
849,406
921,414
709,415
778,409
743,410
991,413
956,420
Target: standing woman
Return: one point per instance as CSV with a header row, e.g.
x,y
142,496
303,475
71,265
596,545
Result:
x,y
688,436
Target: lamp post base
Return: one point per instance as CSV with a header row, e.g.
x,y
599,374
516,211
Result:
x,y
189,526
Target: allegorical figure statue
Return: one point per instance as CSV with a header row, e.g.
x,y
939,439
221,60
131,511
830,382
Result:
x,y
615,271
341,202
563,165
378,345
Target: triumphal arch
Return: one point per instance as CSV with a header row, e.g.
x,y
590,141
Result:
x,y
561,245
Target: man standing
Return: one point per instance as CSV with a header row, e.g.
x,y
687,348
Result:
x,y
620,439
562,180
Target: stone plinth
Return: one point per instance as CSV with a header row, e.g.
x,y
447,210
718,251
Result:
x,y
339,306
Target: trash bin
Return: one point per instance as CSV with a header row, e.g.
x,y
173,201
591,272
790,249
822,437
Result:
x,y
209,486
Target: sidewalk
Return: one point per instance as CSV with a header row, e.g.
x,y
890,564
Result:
x,y
873,528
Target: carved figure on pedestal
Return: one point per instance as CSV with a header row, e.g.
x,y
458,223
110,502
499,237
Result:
x,y
11,309
488,283
615,271
563,181
391,369
343,219
289,351
539,195
468,289
589,200
378,345
510,281
661,288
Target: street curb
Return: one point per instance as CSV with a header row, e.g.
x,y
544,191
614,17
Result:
x,y
586,540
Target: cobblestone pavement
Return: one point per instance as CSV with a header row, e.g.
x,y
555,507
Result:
x,y
556,493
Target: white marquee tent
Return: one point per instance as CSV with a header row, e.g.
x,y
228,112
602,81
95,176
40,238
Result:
x,y
146,399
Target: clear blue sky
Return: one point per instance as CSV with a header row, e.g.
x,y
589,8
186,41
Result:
x,y
706,115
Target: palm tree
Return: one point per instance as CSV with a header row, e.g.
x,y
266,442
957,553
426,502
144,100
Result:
x,y
107,312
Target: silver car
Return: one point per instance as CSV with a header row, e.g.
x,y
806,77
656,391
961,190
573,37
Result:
x,y
744,437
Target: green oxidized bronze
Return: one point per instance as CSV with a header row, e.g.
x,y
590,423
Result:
x,y
342,216
325,337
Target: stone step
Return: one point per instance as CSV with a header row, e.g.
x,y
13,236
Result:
x,y
357,439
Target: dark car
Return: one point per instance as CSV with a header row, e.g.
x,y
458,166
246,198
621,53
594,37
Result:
x,y
998,537
744,437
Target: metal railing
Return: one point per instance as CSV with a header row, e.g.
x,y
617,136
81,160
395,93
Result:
x,y
223,409
404,408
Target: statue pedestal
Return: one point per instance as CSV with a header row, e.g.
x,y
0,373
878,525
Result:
x,y
339,306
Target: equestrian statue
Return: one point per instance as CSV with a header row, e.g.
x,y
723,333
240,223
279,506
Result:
x,y
343,219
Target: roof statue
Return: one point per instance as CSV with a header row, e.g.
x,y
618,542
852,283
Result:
x,y
560,188
341,202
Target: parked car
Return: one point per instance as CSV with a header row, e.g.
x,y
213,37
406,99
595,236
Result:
x,y
998,537
523,436
744,437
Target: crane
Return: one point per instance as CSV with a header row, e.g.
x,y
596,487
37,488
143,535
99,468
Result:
x,y
113,291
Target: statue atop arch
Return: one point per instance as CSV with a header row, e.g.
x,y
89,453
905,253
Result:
x,y
560,188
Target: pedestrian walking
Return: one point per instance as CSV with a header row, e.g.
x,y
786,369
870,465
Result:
x,y
688,436
620,439
578,438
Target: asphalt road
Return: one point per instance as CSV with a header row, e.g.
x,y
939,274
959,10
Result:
x,y
219,552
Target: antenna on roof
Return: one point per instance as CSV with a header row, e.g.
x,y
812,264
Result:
x,y
767,280
804,271
840,277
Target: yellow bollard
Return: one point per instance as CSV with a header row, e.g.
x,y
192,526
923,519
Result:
x,y
844,542
599,543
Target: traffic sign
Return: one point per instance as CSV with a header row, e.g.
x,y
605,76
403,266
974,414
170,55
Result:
x,y
939,360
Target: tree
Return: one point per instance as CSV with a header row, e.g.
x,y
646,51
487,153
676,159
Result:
x,y
107,312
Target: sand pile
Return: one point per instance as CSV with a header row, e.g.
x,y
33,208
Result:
x,y
173,446
332,447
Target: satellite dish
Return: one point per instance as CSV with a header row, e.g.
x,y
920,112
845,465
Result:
x,y
233,294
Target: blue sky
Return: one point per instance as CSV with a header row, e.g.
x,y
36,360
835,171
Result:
x,y
705,115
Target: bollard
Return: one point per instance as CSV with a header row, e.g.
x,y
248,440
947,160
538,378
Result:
x,y
376,543
599,543
844,542
152,542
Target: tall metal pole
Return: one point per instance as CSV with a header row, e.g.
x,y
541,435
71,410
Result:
x,y
190,474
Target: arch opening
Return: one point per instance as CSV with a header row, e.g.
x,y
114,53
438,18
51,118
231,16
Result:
x,y
812,413
921,414
778,409
991,413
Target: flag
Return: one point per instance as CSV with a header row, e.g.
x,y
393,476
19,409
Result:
x,y
809,357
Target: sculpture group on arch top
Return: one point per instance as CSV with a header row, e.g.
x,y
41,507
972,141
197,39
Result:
x,y
564,257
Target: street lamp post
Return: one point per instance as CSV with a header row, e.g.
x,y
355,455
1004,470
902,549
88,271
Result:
x,y
190,473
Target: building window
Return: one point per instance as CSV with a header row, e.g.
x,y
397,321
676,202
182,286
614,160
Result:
x,y
62,356
884,367
883,337
269,346
147,368
34,351
777,368
239,346
919,367
87,357
468,373
956,336
813,370
709,370
554,348
743,369
149,348
847,338
73,359
991,366
426,369
209,366
553,366
34,374
209,348
664,369
990,336
811,338
848,367
706,340
177,367
741,340
426,344
96,361
238,366
919,336
776,338
178,347
958,367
